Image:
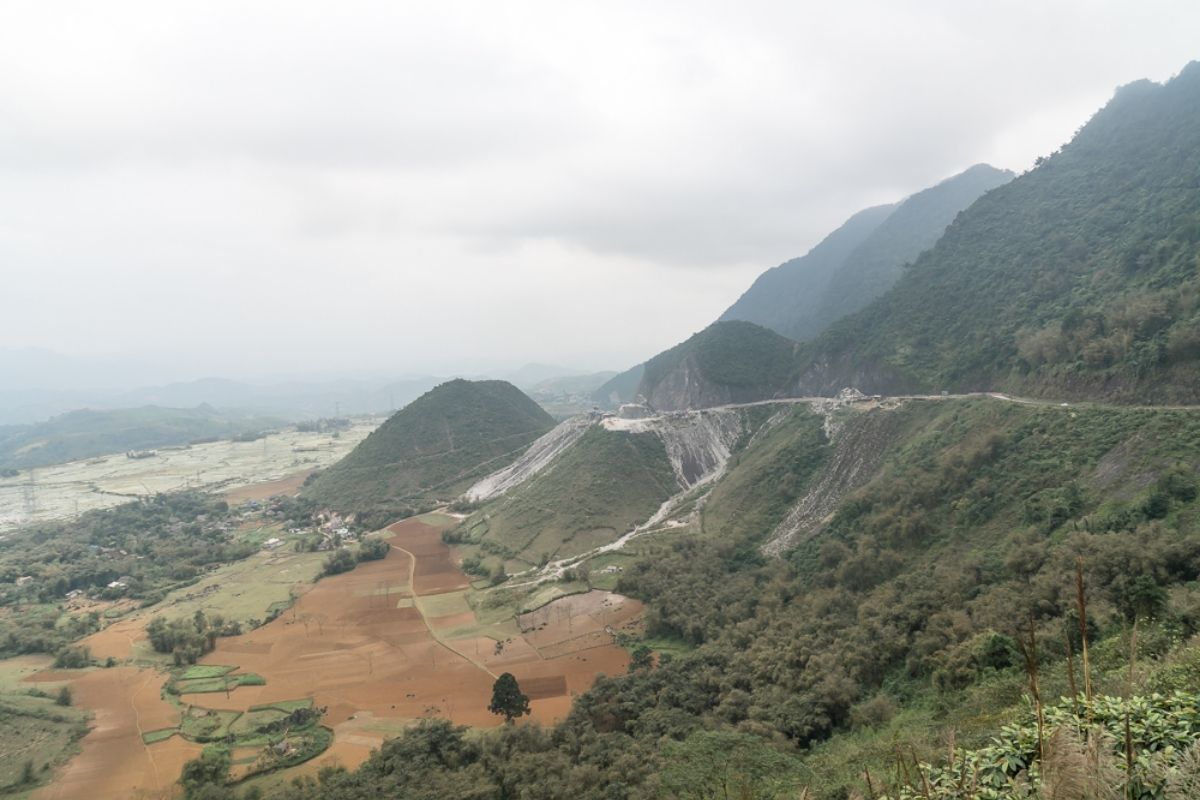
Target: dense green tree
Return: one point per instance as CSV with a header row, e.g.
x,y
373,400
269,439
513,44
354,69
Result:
x,y
641,658
715,765
201,776
507,699
341,560
373,550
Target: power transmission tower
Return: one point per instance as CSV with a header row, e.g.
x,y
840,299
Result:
x,y
29,495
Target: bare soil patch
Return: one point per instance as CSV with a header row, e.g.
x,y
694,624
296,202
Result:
x,y
117,640
288,485
361,646
114,763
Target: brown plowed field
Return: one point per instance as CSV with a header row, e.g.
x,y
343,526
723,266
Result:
x,y
114,763
261,491
363,646
117,640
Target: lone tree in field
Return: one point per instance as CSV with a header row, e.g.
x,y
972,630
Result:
x,y
507,698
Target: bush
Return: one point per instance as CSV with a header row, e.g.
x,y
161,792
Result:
x,y
73,658
342,560
373,550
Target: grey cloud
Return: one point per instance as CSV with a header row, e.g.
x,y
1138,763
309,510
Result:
x,y
278,184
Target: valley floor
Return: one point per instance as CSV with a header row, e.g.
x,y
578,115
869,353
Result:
x,y
66,490
390,642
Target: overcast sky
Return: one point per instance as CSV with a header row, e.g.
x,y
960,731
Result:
x,y
253,189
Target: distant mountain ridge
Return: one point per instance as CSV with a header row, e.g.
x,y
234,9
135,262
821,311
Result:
x,y
860,260
799,299
88,433
784,297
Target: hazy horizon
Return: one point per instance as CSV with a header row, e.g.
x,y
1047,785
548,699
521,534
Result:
x,y
304,190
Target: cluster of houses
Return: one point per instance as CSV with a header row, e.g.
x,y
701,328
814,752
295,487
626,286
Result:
x,y
334,529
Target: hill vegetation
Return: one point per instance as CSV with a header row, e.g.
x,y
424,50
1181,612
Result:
x,y
727,362
915,611
88,433
604,485
860,260
1080,278
432,449
785,297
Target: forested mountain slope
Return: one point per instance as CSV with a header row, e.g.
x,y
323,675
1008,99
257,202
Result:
x,y
859,261
876,264
727,362
784,297
1080,278
433,448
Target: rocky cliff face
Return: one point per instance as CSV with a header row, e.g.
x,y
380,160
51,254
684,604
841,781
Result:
x,y
698,443
828,375
539,456
687,386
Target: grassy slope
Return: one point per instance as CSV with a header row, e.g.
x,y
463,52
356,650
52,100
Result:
x,y
597,490
32,728
1079,278
434,447
768,474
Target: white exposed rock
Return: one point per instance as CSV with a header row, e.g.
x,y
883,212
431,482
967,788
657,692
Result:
x,y
539,455
850,395
634,411
857,455
698,443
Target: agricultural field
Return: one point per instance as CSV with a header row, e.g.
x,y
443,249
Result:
x,y
278,461
114,761
243,591
371,650
398,639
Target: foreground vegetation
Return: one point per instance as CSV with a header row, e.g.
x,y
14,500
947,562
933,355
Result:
x,y
910,626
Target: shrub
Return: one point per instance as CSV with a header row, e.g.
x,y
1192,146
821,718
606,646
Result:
x,y
73,658
373,550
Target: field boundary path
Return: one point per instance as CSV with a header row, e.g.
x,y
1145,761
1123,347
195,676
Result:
x,y
416,598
